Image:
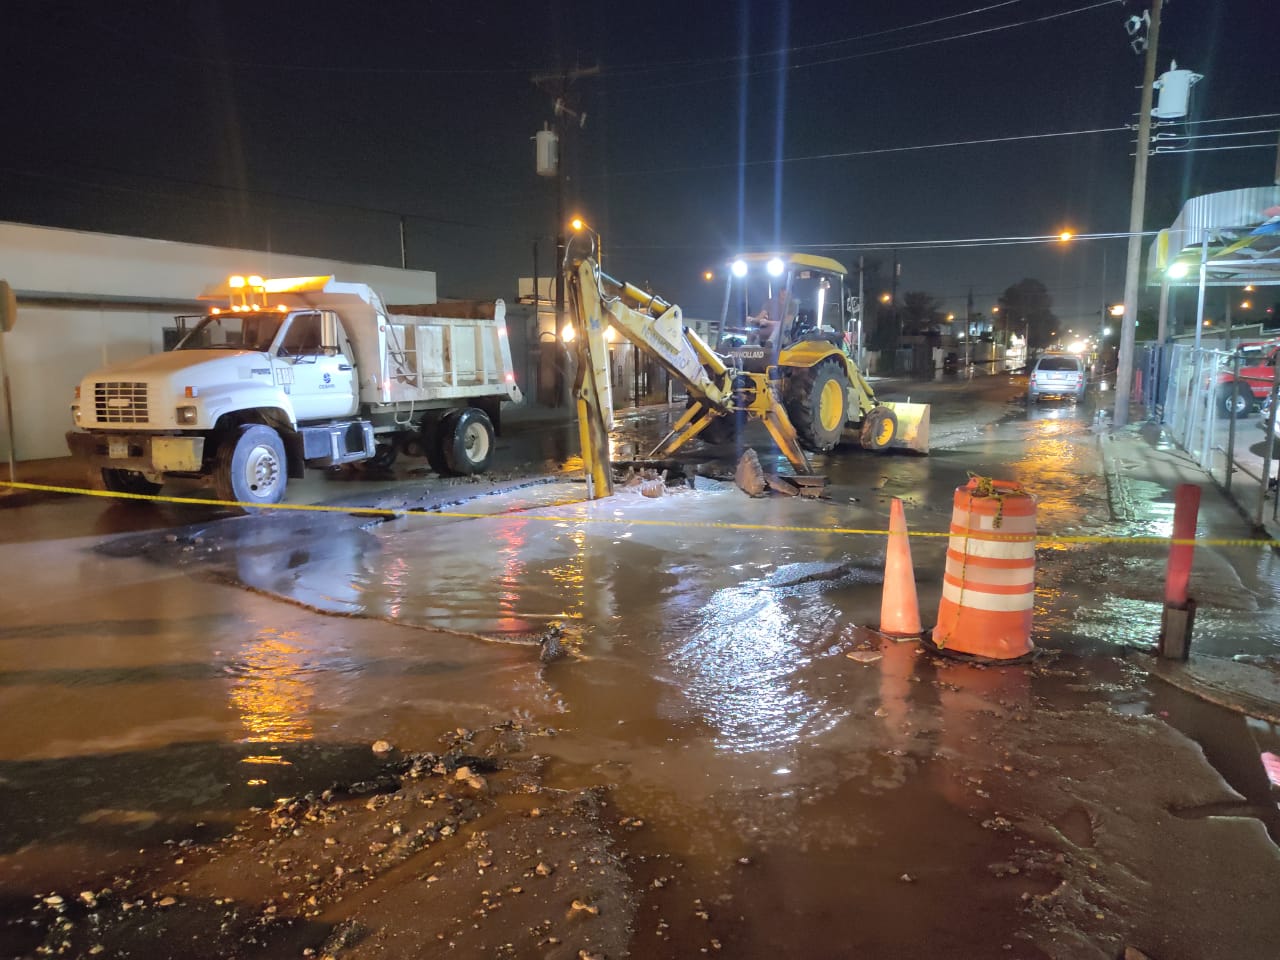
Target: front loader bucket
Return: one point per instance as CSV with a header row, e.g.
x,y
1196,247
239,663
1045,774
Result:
x,y
913,425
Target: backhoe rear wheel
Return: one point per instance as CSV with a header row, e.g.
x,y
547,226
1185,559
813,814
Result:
x,y
879,428
817,401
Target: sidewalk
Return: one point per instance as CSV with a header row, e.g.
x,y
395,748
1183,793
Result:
x,y
1143,468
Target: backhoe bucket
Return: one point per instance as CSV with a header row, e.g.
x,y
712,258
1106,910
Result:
x,y
913,425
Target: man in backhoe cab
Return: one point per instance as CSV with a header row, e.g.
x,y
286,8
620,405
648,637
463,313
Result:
x,y
771,316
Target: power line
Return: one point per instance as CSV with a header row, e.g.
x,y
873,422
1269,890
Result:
x,y
1244,146
873,152
871,53
908,245
634,69
143,191
1213,136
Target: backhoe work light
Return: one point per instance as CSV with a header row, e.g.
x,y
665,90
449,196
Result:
x,y
739,268
775,267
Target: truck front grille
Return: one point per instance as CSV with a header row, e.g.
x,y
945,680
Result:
x,y
118,401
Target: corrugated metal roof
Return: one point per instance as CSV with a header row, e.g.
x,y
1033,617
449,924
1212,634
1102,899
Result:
x,y
1225,218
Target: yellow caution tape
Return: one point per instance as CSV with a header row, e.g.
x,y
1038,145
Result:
x,y
632,521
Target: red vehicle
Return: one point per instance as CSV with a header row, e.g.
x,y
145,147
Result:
x,y
1257,371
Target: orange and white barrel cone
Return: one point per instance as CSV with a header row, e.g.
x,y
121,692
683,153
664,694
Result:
x,y
899,606
988,590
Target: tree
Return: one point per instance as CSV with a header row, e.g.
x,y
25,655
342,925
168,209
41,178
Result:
x,y
920,313
1027,304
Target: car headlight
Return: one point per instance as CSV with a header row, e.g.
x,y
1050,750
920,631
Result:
x,y
186,414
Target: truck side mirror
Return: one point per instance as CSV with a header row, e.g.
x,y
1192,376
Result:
x,y
328,333
8,307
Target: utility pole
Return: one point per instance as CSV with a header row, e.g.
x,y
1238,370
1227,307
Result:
x,y
968,325
1124,369
893,302
862,312
558,85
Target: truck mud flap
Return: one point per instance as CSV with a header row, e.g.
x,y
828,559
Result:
x,y
913,425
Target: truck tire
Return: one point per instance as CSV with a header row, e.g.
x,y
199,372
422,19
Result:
x,y
879,428
434,433
251,466
817,401
127,481
467,442
1233,401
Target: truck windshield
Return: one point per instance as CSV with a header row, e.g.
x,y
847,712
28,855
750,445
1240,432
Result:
x,y
243,331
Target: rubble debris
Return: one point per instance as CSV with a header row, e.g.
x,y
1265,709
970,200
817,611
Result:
x,y
749,476
782,485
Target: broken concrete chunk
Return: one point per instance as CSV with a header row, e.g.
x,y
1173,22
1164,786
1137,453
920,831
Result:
x,y
749,476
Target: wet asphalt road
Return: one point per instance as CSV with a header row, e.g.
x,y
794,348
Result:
x,y
805,802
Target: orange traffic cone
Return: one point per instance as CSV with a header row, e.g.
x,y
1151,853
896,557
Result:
x,y
899,607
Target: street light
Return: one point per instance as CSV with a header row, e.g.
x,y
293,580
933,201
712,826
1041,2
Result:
x,y
708,275
580,225
1117,310
1065,235
884,298
1245,304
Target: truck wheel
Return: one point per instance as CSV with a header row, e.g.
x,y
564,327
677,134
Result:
x,y
127,481
1233,401
817,401
467,441
251,466
434,436
879,428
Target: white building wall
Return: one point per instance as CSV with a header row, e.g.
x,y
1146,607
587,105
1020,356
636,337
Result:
x,y
51,348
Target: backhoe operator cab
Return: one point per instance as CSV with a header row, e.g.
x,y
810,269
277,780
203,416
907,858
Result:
x,y
790,312
774,303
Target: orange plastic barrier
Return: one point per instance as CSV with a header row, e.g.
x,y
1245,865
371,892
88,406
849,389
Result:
x,y
988,589
899,606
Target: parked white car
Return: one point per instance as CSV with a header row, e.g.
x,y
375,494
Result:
x,y
1057,375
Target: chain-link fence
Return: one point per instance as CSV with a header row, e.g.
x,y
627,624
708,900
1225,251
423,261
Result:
x,y
1220,407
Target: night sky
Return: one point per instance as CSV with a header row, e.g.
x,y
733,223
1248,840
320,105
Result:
x,y
312,128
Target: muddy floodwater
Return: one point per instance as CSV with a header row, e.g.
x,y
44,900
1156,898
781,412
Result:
x,y
646,727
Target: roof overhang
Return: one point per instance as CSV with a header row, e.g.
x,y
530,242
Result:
x,y
1236,233
797,259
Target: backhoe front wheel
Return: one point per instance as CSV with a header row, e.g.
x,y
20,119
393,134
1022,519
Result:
x,y
817,400
251,466
879,427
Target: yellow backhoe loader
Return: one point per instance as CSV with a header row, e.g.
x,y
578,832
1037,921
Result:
x,y
791,312
722,390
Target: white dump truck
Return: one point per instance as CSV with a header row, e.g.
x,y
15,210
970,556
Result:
x,y
283,374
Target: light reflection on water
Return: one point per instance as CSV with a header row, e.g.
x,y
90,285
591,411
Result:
x,y
274,689
742,661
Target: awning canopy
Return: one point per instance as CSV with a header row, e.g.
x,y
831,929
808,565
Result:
x,y
1235,232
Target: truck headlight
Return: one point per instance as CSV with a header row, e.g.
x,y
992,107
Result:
x,y
186,414
75,412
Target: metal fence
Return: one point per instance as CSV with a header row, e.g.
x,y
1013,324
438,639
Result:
x,y
1225,420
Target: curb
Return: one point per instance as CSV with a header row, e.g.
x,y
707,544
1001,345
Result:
x,y
1181,676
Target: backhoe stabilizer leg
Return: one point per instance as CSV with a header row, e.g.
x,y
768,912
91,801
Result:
x,y
695,420
779,426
